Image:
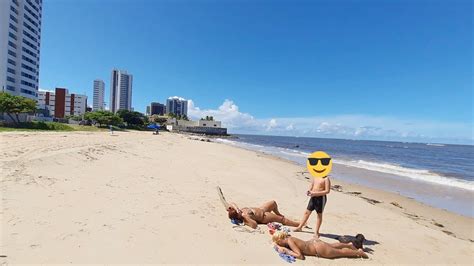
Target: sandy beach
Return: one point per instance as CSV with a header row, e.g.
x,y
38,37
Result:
x,y
89,197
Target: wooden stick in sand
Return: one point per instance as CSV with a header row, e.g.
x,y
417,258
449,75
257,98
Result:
x,y
221,196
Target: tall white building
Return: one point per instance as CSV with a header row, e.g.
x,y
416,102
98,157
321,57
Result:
x,y
176,105
20,36
98,98
120,91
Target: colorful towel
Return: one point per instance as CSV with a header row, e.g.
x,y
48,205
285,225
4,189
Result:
x,y
273,227
235,221
285,257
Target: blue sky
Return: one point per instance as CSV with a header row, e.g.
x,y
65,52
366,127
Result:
x,y
397,70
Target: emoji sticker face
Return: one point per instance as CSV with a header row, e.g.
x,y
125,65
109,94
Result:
x,y
319,164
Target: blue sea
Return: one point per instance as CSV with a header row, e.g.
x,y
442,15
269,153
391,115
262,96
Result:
x,y
440,175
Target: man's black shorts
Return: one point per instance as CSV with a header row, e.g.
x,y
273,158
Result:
x,y
317,203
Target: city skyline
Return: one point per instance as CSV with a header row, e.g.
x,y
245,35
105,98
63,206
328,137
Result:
x,y
348,61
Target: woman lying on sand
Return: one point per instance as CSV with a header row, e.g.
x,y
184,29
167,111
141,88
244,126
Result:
x,y
298,248
263,215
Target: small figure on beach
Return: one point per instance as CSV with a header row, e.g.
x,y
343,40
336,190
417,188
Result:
x,y
252,216
319,165
111,129
298,248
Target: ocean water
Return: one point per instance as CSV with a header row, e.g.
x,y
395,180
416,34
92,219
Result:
x,y
440,175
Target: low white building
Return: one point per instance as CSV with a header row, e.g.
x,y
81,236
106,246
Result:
x,y
60,103
199,123
208,127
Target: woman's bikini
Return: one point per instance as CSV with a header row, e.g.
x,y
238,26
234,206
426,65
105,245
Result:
x,y
250,212
311,242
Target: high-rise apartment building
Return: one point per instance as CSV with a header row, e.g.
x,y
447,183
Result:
x,y
176,105
98,97
20,36
120,91
156,109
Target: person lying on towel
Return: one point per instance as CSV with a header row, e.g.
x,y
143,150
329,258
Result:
x,y
297,248
251,216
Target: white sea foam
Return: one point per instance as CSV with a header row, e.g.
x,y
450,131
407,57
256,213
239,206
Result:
x,y
416,174
435,144
295,153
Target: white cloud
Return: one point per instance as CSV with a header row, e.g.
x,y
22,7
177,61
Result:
x,y
228,113
272,124
337,126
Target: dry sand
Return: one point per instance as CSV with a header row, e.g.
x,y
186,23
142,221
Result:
x,y
138,198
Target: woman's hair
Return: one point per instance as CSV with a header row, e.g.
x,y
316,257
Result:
x,y
279,235
233,214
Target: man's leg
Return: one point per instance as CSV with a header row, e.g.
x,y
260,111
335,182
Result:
x,y
319,220
306,215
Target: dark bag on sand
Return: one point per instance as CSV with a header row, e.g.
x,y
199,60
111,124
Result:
x,y
357,241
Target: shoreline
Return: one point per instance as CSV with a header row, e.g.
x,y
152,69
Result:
x,y
439,195
135,197
441,219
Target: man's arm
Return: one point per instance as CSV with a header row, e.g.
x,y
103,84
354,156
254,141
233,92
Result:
x,y
327,189
311,185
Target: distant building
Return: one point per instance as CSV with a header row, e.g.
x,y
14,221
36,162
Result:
x,y
61,104
176,105
156,109
20,37
98,98
198,127
147,110
120,91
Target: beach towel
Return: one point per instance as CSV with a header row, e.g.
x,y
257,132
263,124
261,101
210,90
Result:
x,y
274,226
285,257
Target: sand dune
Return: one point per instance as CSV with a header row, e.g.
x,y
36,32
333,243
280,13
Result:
x,y
139,198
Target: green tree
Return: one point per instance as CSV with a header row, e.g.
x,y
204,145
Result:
x,y
160,120
132,118
15,105
113,120
74,117
208,118
103,118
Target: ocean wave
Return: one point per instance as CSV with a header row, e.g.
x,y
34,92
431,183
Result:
x,y
238,143
383,167
416,174
435,144
295,153
226,141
